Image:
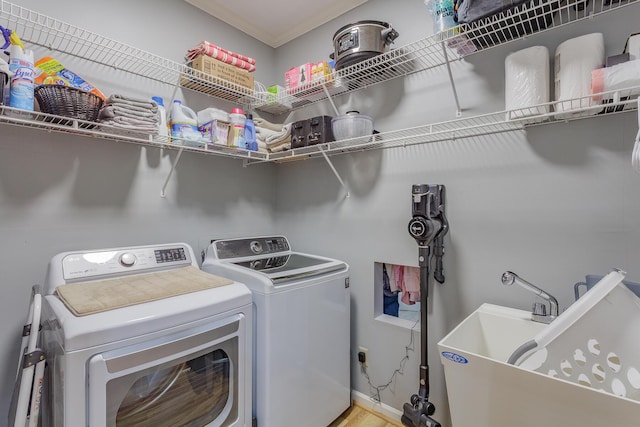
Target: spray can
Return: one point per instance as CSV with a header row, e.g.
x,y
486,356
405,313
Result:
x,y
163,131
21,65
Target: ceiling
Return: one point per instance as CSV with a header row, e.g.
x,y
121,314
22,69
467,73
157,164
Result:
x,y
275,22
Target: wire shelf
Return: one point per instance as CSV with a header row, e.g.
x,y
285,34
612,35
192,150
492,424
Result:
x,y
53,123
53,34
604,103
505,121
447,46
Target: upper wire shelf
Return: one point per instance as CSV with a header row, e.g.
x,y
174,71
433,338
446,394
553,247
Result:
x,y
41,30
447,46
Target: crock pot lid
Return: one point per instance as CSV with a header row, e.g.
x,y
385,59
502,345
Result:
x,y
384,24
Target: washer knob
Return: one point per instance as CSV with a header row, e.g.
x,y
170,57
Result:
x,y
256,247
127,259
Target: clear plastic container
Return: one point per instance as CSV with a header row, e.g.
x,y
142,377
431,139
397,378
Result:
x,y
351,125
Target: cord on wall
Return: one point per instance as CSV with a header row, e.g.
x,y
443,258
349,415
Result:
x,y
377,389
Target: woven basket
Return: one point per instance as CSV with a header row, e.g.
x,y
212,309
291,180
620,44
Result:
x,y
68,101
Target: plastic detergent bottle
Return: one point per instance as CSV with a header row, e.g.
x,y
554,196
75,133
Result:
x,y
184,122
237,119
163,131
250,133
21,65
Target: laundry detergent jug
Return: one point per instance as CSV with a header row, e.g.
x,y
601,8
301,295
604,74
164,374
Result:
x,y
184,124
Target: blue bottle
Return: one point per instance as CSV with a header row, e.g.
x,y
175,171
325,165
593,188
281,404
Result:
x,y
250,133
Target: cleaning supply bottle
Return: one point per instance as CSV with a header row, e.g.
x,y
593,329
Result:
x,y
250,133
184,123
163,131
237,119
21,66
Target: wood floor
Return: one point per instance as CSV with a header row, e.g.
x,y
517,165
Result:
x,y
359,416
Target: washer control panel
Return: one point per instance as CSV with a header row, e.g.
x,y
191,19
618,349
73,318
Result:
x,y
238,248
124,261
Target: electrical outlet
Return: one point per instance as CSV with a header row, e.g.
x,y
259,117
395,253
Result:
x,y
363,356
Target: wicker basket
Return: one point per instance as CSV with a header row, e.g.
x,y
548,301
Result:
x,y
68,101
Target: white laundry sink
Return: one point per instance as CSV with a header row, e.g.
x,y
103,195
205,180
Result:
x,y
485,391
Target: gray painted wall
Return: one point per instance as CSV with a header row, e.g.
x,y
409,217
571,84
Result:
x,y
62,192
551,203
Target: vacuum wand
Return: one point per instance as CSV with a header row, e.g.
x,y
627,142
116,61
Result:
x,y
428,227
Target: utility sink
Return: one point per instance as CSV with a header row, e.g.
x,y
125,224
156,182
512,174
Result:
x,y
493,331
485,391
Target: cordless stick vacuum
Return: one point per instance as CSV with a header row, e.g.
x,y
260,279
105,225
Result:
x,y
428,226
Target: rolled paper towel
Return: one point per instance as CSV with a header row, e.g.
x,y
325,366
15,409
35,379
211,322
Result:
x,y
575,59
527,82
619,77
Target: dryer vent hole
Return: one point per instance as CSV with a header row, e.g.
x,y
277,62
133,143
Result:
x,y
579,357
566,368
598,373
584,380
614,362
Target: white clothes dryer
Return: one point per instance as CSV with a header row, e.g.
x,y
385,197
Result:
x,y
301,328
137,336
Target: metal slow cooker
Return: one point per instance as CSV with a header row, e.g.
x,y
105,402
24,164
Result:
x,y
362,40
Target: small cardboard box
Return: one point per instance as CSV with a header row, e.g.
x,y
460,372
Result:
x,y
216,132
221,70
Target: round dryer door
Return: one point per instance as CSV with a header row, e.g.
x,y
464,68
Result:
x,y
194,392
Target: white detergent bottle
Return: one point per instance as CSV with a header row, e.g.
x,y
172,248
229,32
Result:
x,y
21,65
184,124
163,131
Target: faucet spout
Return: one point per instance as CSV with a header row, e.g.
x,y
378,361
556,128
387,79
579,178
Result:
x,y
509,278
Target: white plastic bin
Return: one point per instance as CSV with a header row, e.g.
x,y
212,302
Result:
x,y
484,390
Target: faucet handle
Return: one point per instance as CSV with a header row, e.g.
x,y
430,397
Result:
x,y
539,309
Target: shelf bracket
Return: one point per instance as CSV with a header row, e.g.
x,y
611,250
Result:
x,y
173,166
453,83
333,105
335,172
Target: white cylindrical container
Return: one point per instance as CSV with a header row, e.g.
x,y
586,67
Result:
x,y
21,65
527,82
575,59
238,119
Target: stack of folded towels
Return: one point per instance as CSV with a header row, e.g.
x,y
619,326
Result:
x,y
271,137
132,114
221,54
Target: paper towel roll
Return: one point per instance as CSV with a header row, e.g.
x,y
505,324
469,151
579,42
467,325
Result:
x,y
622,77
527,82
575,59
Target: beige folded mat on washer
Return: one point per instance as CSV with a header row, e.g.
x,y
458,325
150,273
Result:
x,y
93,297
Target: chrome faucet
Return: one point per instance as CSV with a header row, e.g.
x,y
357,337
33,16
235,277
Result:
x,y
539,311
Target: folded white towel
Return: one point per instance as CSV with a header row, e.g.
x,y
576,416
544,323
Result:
x,y
259,121
138,102
271,137
111,111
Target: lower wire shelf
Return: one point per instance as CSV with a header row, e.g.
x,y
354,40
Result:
x,y
591,106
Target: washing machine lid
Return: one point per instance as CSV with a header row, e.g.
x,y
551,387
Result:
x,y
283,268
270,257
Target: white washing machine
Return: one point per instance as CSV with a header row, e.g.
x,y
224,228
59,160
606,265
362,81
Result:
x,y
181,358
301,328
